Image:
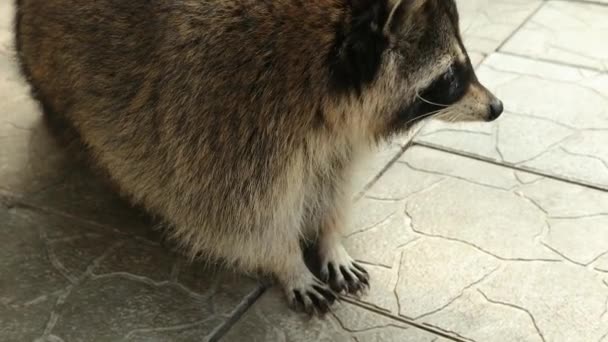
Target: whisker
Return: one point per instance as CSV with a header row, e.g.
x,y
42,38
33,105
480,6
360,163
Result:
x,y
457,117
423,116
431,102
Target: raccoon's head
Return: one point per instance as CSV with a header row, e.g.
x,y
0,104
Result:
x,y
409,55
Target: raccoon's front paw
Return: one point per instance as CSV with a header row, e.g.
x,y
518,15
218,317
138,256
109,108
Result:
x,y
310,295
344,274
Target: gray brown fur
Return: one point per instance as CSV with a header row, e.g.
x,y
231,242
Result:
x,y
239,121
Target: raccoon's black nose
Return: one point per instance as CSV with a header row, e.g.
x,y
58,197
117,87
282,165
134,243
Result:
x,y
496,109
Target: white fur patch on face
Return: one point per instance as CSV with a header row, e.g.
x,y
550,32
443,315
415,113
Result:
x,y
460,54
439,69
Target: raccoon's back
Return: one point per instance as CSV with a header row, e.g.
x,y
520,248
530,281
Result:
x,y
180,99
70,49
92,60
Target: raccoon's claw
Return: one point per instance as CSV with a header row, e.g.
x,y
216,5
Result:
x,y
313,299
350,278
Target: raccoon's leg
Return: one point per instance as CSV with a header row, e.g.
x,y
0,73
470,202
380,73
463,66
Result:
x,y
338,269
278,251
274,250
303,290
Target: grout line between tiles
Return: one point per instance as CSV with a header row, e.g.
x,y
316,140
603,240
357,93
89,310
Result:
x,y
404,320
387,166
584,2
512,167
236,314
523,22
547,60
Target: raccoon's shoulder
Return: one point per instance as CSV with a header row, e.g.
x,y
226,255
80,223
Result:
x,y
341,38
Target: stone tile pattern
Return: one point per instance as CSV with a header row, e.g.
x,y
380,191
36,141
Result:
x,y
66,280
267,321
556,121
480,251
565,32
486,24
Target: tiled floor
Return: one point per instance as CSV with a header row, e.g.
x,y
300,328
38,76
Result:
x,y
478,232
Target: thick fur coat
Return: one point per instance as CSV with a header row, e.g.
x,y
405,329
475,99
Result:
x,y
238,122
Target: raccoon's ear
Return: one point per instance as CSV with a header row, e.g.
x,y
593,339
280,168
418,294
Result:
x,y
359,43
400,11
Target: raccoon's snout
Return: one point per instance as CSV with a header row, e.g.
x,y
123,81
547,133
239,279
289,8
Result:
x,y
496,108
493,105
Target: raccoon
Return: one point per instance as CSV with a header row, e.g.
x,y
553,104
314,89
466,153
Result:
x,y
239,122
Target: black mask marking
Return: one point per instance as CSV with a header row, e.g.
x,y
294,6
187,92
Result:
x,y
444,91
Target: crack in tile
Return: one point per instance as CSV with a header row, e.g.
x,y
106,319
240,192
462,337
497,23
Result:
x,y
548,149
16,201
513,306
555,122
452,336
395,292
404,246
543,232
350,330
577,217
517,176
453,130
551,61
497,143
561,254
470,244
421,191
437,173
573,52
36,300
382,199
54,260
63,296
371,227
533,202
153,283
576,154
452,300
597,258
178,327
556,251
54,315
175,271
417,192
447,331
363,262
542,78
523,74
605,312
